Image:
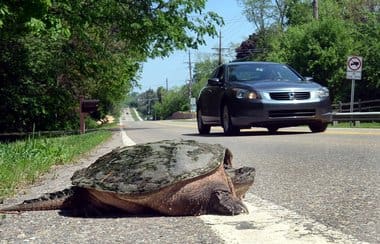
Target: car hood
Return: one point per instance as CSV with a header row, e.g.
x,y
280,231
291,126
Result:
x,y
278,85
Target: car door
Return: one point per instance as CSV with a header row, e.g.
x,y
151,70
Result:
x,y
216,94
204,99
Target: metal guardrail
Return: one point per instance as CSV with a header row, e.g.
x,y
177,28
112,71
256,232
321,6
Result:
x,y
359,106
363,111
356,116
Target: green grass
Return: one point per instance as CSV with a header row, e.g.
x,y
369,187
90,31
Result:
x,y
23,162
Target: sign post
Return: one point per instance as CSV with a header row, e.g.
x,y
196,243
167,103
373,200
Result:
x,y
193,104
354,72
82,125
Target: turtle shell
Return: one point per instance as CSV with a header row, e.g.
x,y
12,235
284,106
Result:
x,y
144,168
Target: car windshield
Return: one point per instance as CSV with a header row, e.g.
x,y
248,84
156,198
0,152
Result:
x,y
261,71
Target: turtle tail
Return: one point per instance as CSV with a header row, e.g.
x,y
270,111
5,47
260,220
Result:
x,y
49,201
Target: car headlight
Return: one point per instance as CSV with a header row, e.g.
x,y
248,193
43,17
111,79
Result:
x,y
323,92
245,94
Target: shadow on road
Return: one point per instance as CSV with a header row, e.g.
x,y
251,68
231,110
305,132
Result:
x,y
250,133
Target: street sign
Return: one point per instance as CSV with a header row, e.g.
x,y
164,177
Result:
x,y
354,68
354,72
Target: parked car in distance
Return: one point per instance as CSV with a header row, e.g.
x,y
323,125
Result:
x,y
261,94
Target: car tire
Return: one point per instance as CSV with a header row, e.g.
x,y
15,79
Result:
x,y
202,128
318,127
272,129
228,128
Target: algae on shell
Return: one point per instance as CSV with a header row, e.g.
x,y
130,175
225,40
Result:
x,y
149,167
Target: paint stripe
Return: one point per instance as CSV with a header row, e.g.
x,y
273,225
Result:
x,y
267,223
124,138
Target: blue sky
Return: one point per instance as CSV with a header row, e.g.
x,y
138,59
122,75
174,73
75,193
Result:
x,y
175,69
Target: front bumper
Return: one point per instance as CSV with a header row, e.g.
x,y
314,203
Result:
x,y
264,113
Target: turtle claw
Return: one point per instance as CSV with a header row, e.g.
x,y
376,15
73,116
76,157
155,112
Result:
x,y
223,202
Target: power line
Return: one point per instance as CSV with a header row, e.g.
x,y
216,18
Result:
x,y
220,49
190,76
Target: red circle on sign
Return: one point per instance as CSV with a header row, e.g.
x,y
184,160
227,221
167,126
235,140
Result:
x,y
354,63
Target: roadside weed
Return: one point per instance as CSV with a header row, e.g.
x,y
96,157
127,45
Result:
x,y
22,162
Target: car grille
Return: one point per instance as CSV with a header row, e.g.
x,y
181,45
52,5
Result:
x,y
291,113
290,95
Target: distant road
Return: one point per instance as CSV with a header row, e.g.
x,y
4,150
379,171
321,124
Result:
x,y
309,187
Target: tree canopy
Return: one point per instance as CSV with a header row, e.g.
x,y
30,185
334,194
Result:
x,y
287,32
162,103
319,48
52,52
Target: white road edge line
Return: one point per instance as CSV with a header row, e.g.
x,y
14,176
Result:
x,y
267,223
137,114
125,139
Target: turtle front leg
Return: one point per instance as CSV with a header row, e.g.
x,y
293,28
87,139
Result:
x,y
223,202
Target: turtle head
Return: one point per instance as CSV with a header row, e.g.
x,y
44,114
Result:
x,y
242,179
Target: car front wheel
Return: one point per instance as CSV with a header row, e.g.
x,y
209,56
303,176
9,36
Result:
x,y
272,129
202,128
228,128
318,127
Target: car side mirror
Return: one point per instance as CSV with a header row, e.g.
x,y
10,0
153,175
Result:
x,y
307,78
214,82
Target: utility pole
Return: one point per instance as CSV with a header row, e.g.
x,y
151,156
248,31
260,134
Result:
x,y
190,78
167,84
220,48
315,9
191,75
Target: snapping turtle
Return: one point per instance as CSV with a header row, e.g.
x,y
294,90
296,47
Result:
x,y
170,177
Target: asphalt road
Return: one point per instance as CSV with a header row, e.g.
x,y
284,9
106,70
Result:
x,y
310,188
332,177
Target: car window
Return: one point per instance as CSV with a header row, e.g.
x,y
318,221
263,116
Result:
x,y
220,74
255,72
215,73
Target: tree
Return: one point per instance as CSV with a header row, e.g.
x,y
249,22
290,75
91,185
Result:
x,y
161,91
19,16
28,49
131,100
368,46
247,48
146,102
269,17
176,99
203,69
298,12
51,52
256,46
320,48
265,14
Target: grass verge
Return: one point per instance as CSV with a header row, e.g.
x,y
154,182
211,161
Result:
x,y
134,115
22,162
368,125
